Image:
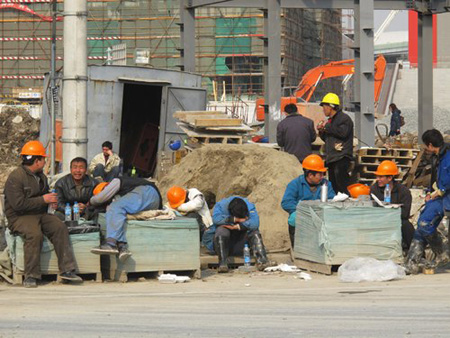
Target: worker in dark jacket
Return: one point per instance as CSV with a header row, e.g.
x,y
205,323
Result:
x,y
26,203
400,194
437,204
337,133
235,221
296,133
75,187
396,121
133,195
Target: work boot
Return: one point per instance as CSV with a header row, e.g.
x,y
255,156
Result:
x,y
105,249
259,251
222,249
30,282
71,277
415,254
124,253
439,249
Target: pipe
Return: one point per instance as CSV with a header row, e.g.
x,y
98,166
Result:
x,y
74,131
52,90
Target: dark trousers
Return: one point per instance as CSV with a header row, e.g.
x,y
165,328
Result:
x,y
407,234
292,235
99,171
32,229
339,176
236,238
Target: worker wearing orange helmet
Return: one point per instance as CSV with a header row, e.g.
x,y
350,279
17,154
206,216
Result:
x,y
306,187
337,133
400,194
27,199
190,202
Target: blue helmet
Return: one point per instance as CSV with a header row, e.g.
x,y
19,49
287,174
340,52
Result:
x,y
175,145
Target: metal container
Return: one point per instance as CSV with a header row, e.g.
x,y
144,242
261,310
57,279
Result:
x,y
324,192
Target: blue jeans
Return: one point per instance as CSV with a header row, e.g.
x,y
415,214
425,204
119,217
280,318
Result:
x,y
99,171
429,219
139,199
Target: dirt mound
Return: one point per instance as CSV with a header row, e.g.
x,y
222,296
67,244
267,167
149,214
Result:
x,y
16,128
257,173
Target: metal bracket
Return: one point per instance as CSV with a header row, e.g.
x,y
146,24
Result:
x,y
73,140
76,78
85,13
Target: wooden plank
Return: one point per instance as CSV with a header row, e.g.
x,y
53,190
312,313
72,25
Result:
x,y
183,114
412,171
192,118
217,122
314,267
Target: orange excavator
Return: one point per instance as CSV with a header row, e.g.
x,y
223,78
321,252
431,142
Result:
x,y
311,79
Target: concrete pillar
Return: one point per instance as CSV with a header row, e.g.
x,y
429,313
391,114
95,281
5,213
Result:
x,y
425,73
74,131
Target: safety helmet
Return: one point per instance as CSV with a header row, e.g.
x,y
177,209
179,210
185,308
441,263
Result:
x,y
314,162
176,196
33,148
358,189
331,99
99,188
387,168
175,145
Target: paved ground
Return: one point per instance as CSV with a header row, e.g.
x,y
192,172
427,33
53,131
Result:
x,y
234,305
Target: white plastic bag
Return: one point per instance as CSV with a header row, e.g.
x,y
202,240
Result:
x,y
367,269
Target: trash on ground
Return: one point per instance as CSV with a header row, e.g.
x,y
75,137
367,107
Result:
x,y
168,278
282,268
304,275
367,269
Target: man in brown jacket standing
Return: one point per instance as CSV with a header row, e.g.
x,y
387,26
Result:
x,y
26,203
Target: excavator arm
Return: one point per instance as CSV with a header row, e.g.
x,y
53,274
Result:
x,y
311,79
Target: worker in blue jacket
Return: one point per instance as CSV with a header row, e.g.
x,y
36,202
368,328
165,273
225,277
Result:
x,y
235,221
306,187
437,203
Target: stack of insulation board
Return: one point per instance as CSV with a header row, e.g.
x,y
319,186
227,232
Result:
x,y
158,245
331,233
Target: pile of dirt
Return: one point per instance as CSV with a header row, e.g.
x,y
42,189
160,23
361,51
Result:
x,y
16,128
255,172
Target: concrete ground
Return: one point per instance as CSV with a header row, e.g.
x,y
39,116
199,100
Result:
x,y
232,305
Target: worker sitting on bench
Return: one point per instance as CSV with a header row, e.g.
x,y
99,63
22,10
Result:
x,y
235,221
105,166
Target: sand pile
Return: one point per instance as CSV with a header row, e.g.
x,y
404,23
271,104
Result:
x,y
257,173
16,128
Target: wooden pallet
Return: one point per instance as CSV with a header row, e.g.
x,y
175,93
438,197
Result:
x,y
124,276
315,267
384,152
19,276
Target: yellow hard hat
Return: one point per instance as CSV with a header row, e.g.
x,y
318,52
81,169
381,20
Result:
x,y
332,99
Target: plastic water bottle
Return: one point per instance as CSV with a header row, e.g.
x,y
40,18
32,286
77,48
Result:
x,y
76,211
68,213
50,209
387,194
246,255
324,192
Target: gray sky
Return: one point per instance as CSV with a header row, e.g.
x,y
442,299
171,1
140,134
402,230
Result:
x,y
400,22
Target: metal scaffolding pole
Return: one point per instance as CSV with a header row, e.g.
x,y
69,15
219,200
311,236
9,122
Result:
x,y
364,72
52,90
272,68
74,133
425,72
187,36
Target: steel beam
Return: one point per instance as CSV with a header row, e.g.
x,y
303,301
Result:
x,y
187,36
364,73
425,73
272,68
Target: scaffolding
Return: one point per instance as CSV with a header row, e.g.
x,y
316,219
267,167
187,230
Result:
x,y
229,42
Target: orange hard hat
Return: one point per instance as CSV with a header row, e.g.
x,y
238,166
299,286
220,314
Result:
x,y
314,162
387,168
99,187
176,196
358,189
33,148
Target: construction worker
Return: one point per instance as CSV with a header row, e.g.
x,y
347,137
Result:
x,y
190,202
437,203
105,166
27,199
296,133
306,187
235,221
337,133
75,187
400,194
134,195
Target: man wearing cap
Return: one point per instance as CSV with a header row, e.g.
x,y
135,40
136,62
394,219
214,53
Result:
x,y
400,194
306,187
27,199
437,204
337,133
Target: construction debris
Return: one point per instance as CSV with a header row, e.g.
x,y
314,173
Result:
x,y
257,173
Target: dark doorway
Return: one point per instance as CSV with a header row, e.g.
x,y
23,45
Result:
x,y
141,112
